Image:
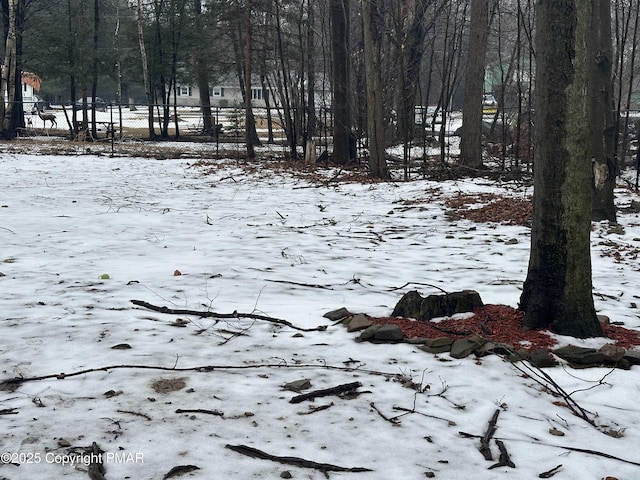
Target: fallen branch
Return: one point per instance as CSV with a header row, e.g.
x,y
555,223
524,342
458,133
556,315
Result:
x,y
347,387
392,289
543,379
10,384
504,460
316,409
570,449
201,410
295,461
393,420
488,434
297,284
550,473
180,470
413,410
236,315
137,414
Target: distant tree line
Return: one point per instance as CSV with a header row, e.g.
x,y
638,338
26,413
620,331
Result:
x,y
377,58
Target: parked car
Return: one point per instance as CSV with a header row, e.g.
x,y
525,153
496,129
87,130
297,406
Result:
x,y
101,105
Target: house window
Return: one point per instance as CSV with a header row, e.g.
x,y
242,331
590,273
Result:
x,y
218,92
184,91
256,93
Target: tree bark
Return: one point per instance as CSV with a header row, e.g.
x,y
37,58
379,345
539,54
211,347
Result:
x,y
602,137
375,116
471,139
557,292
341,106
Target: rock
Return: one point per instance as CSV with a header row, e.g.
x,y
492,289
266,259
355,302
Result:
x,y
604,319
440,342
368,333
416,340
298,385
286,474
518,355
413,305
632,356
408,306
464,347
542,358
635,205
580,355
437,345
335,315
358,322
612,353
63,442
490,348
389,333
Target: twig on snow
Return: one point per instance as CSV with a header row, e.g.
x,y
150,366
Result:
x,y
564,447
203,314
550,473
345,388
392,420
201,410
295,461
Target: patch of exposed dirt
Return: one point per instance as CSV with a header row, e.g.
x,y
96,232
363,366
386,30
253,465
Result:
x,y
168,385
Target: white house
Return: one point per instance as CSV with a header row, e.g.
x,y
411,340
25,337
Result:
x,y
225,93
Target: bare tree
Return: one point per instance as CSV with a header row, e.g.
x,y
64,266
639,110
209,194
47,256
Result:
x,y
471,139
375,118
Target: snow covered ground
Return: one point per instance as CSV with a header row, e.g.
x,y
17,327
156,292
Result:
x,y
83,235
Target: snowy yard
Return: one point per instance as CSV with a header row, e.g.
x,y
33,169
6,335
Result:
x,y
83,235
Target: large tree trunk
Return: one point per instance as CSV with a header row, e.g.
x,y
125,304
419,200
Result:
x,y
471,139
9,72
341,106
375,120
602,143
558,291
